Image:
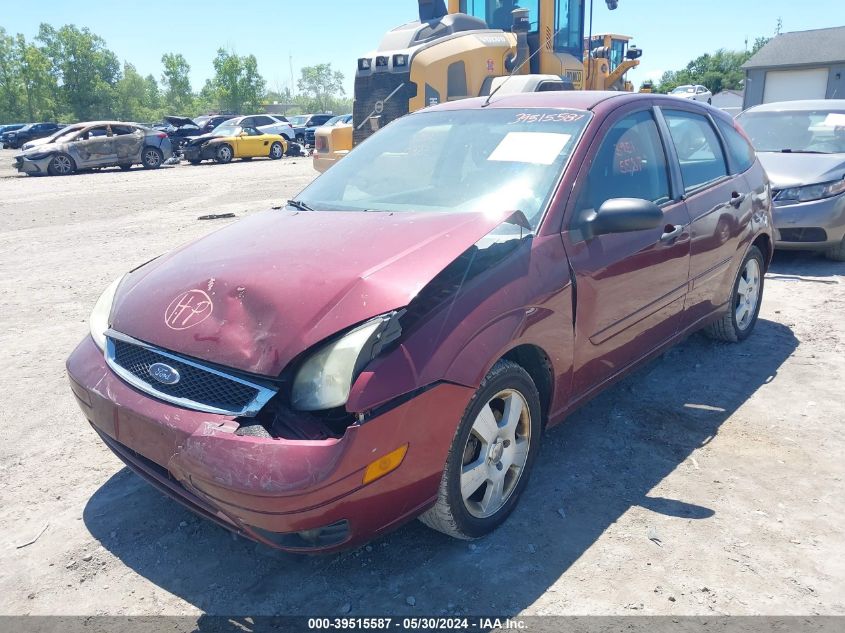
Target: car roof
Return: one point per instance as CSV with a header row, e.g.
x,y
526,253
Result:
x,y
801,105
570,99
593,100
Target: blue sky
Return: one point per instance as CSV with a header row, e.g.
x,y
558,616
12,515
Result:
x,y
338,31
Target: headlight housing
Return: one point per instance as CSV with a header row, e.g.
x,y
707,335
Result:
x,y
812,192
323,381
98,322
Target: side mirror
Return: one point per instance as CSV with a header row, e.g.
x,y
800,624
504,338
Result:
x,y
622,215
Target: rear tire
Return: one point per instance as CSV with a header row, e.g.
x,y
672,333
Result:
x,y
744,306
836,253
61,165
152,158
276,151
491,456
224,154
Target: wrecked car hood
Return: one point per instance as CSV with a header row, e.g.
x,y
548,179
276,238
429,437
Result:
x,y
202,138
257,293
786,169
180,121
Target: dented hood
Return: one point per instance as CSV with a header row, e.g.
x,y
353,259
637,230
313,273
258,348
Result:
x,y
258,292
180,121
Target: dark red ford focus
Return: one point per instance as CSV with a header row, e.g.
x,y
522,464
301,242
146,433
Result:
x,y
393,342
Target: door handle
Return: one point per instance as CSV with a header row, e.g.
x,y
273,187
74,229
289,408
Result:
x,y
670,232
737,199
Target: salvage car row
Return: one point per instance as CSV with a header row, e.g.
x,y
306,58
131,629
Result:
x,y
99,144
62,150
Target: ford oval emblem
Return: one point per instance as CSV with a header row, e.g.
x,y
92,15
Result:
x,y
164,374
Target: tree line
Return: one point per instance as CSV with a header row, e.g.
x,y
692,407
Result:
x,y
719,71
69,74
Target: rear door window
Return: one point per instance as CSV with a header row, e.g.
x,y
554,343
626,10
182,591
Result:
x,y
739,149
698,148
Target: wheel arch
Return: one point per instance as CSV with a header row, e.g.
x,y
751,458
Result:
x,y
533,359
764,243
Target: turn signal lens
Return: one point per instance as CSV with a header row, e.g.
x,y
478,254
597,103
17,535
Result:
x,y
384,465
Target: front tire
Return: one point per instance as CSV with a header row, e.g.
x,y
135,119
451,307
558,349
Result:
x,y
491,456
224,154
746,297
152,158
276,151
836,253
61,165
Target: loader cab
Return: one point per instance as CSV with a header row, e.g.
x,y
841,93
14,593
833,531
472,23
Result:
x,y
560,54
615,47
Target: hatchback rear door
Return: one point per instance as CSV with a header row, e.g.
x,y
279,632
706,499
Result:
x,y
630,286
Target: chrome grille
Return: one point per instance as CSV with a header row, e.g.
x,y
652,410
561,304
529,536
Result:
x,y
199,387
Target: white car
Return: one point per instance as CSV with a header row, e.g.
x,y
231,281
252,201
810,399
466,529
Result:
x,y
695,93
265,123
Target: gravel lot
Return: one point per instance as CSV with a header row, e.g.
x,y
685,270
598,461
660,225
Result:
x,y
710,482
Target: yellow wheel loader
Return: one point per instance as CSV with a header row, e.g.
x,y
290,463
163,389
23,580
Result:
x,y
469,48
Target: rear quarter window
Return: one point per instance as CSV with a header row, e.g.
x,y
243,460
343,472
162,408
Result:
x,y
739,149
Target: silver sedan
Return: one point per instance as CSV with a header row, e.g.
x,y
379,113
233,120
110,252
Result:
x,y
801,144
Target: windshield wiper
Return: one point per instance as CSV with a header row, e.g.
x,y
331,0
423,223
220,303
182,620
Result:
x,y
801,151
298,204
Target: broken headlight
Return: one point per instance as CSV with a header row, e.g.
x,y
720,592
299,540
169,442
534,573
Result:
x,y
325,377
99,319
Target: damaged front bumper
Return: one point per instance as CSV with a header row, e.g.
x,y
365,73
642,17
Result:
x,y
296,495
197,152
26,165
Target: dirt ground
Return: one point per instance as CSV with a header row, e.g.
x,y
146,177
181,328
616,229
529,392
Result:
x,y
709,482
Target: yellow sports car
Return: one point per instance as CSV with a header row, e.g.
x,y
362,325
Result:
x,y
226,142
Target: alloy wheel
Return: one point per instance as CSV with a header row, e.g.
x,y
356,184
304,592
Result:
x,y
62,165
747,294
151,158
495,453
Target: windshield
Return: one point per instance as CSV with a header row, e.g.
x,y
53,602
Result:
x,y
300,119
226,129
462,160
682,89
201,120
60,135
812,131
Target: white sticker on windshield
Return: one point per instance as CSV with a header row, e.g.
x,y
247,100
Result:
x,y
538,148
834,119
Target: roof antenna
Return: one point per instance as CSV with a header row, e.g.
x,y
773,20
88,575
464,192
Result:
x,y
521,25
